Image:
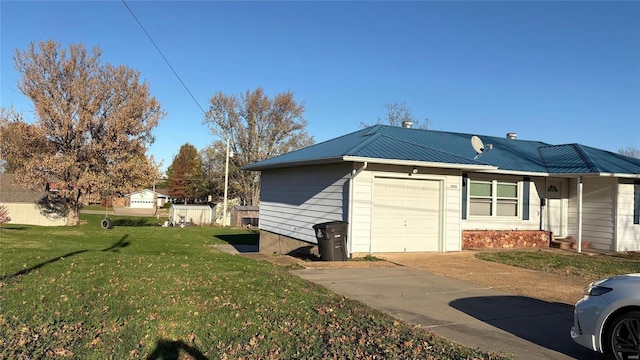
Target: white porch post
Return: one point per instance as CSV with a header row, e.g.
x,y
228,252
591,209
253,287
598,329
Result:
x,y
579,188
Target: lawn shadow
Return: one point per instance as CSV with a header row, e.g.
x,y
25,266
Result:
x,y
10,227
132,222
240,239
543,323
118,244
122,243
171,350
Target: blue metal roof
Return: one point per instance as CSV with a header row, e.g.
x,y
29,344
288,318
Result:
x,y
581,159
408,144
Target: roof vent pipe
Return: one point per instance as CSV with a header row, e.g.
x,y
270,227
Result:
x,y
407,124
512,135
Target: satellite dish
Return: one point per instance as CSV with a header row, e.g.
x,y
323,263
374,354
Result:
x,y
479,147
477,144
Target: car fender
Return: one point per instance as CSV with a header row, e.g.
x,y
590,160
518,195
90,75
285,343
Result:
x,y
615,307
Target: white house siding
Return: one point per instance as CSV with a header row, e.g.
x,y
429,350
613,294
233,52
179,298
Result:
x,y
452,210
361,213
294,199
598,211
536,188
29,214
628,233
363,192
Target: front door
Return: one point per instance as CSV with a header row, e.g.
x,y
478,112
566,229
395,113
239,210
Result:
x,y
555,209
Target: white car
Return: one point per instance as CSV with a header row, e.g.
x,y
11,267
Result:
x,y
607,319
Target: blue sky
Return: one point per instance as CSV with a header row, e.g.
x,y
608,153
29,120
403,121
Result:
x,y
559,72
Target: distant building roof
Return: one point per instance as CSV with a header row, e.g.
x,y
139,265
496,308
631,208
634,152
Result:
x,y
163,192
190,207
12,192
246,208
390,144
159,193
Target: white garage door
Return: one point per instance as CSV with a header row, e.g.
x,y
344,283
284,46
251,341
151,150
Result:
x,y
405,215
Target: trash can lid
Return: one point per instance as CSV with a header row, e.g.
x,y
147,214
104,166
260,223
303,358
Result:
x,y
329,223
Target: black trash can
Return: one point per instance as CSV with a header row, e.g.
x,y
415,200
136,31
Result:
x,y
332,240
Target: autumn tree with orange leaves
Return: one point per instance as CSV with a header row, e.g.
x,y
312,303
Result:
x,y
185,175
91,127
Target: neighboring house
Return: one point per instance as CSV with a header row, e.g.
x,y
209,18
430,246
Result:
x,y
145,199
22,204
193,214
409,190
162,197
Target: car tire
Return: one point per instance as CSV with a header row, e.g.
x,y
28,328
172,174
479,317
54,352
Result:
x,y
624,336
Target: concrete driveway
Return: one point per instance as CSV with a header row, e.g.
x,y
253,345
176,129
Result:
x,y
469,314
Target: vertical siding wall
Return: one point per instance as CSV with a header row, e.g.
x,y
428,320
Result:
x,y
363,198
29,214
628,233
361,213
293,200
598,211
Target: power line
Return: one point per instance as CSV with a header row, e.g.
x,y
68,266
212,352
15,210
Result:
x,y
165,59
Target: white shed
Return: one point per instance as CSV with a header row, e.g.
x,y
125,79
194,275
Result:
x,y
194,214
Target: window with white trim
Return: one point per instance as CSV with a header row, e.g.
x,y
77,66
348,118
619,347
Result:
x,y
493,198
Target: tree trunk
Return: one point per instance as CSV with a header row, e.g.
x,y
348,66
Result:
x,y
73,217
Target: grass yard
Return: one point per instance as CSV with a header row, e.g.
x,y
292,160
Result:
x,y
142,291
588,267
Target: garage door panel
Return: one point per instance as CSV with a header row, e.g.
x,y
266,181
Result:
x,y
405,215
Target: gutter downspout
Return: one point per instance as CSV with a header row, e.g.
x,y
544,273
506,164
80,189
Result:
x,y
354,173
579,186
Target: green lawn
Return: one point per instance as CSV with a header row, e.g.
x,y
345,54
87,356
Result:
x,y
96,207
143,291
588,267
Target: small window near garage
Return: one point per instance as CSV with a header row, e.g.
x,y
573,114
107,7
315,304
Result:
x,y
493,198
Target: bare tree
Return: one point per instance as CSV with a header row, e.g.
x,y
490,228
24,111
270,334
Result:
x,y
630,151
396,114
257,128
213,162
91,129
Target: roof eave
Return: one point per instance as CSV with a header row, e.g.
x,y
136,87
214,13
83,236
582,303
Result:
x,y
516,172
419,163
616,175
293,164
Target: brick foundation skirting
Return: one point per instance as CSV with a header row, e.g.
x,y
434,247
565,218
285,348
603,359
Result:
x,y
505,239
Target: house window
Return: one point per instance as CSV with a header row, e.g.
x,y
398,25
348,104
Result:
x,y
480,198
493,198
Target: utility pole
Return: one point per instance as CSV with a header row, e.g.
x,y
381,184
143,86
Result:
x,y
226,187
